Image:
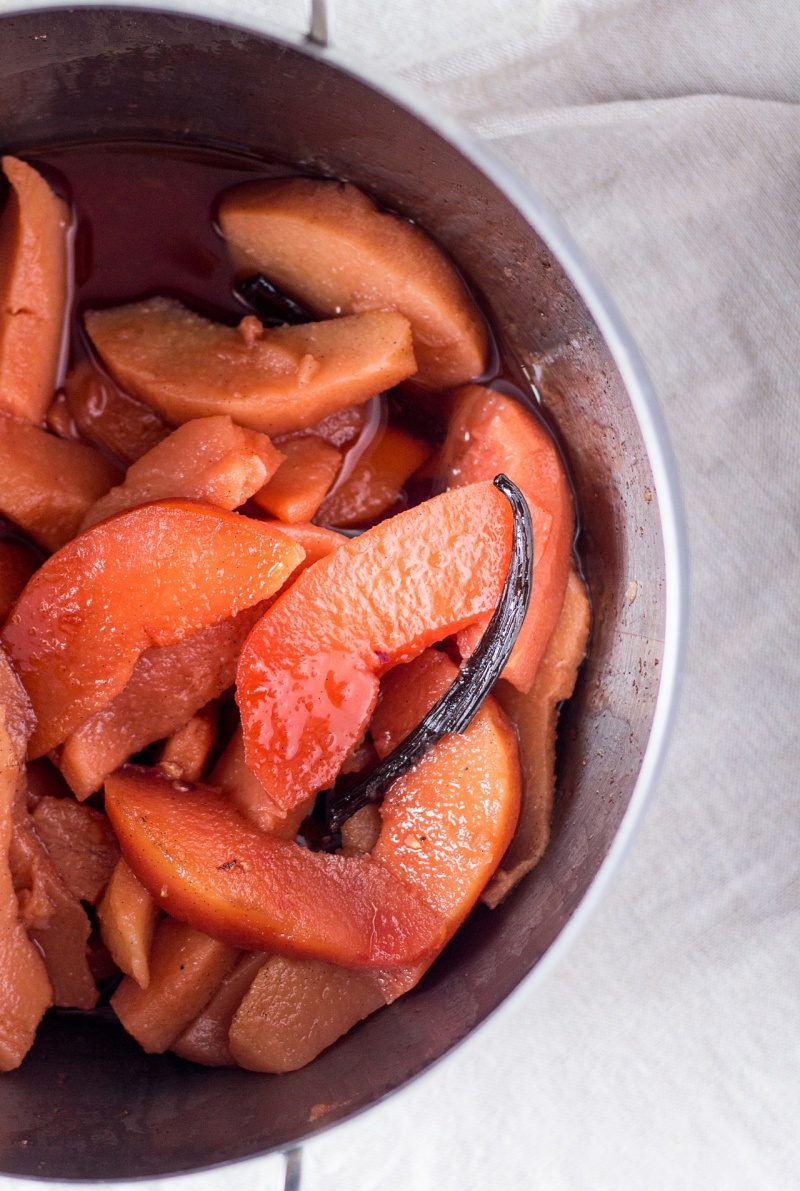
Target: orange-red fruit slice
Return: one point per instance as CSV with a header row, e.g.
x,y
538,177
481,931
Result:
x,y
315,539
207,865
25,991
449,819
298,487
307,678
17,564
108,417
444,826
166,687
147,577
209,459
490,433
231,775
376,481
407,695
308,673
331,247
48,483
275,380
33,291
536,717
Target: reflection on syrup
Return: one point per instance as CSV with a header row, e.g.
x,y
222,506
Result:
x,y
374,425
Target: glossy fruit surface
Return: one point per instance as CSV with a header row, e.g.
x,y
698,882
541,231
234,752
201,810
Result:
x,y
150,576
308,675
167,686
207,865
447,822
298,487
490,433
17,563
376,482
109,418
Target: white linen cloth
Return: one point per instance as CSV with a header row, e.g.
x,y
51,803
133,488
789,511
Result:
x,y
663,1053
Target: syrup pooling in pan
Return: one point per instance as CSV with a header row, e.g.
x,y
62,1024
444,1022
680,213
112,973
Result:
x,y
254,538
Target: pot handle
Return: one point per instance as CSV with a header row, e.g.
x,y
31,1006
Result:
x,y
293,1172
319,26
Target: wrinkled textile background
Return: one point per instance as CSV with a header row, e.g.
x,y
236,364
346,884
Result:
x,y
664,1051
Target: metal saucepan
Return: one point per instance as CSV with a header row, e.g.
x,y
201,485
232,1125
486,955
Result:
x,y
87,1103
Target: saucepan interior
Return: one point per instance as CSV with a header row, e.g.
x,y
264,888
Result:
x,y
87,1103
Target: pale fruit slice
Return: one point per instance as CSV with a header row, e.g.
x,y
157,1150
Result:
x,y
56,921
275,380
149,576
333,249
33,291
80,842
295,1008
128,917
167,687
46,483
209,459
25,991
360,833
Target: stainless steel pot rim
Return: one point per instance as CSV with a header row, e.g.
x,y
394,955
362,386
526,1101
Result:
x,y
632,370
